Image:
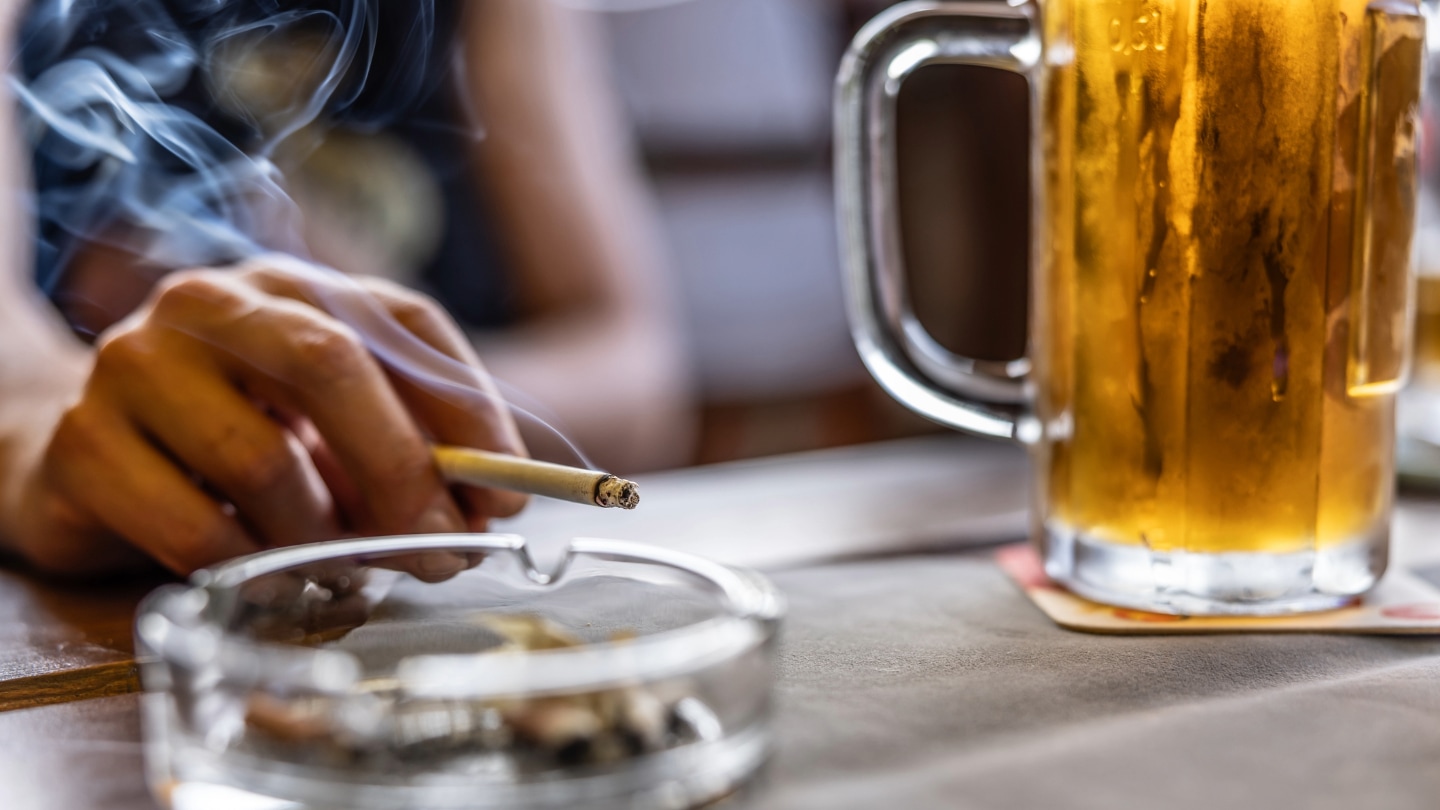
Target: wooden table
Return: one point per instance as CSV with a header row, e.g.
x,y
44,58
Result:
x,y
829,526
69,649
60,643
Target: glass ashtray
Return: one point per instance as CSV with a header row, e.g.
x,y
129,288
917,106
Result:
x,y
331,676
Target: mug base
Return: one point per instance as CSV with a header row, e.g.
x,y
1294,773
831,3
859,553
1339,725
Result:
x,y
1214,584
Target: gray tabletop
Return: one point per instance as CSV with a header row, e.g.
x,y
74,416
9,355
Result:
x,y
932,682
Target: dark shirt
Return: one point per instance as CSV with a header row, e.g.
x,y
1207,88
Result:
x,y
181,185
465,274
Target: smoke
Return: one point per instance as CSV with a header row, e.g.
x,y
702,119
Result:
x,y
155,124
143,133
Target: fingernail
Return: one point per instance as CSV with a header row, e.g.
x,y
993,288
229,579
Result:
x,y
441,518
440,563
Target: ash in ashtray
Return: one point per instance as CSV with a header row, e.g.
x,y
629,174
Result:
x,y
384,727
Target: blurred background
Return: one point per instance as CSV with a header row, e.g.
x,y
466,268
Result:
x,y
730,101
628,203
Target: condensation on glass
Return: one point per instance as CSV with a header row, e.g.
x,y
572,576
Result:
x,y
1225,205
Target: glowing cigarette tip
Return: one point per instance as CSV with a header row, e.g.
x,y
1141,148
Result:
x,y
482,468
613,491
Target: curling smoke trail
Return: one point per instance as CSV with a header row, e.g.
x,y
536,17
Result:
x,y
120,158
147,138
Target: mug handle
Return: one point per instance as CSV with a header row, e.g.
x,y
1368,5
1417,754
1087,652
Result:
x,y
904,358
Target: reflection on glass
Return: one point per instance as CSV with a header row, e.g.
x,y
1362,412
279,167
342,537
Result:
x,y
1227,275
328,676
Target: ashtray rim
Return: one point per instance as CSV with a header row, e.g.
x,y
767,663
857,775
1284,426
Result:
x,y
170,625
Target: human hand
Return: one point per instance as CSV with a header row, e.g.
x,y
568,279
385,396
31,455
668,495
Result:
x,y
242,409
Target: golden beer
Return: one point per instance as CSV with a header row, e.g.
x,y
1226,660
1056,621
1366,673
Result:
x,y
1427,331
1229,186
1225,196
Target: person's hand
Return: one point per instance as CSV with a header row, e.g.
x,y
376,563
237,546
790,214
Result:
x,y
267,405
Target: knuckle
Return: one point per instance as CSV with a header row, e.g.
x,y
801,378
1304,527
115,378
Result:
x,y
401,299
78,434
123,351
330,353
263,466
415,310
132,360
274,271
254,266
412,308
283,265
185,289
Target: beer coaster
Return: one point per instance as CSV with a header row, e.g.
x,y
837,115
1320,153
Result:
x,y
1404,603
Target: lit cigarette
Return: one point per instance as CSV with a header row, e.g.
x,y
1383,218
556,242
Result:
x,y
481,468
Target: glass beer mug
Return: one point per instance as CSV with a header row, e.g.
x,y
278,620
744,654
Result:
x,y
1223,207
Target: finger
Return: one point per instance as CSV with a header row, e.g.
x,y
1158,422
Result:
x,y
153,505
181,399
431,363
74,542
461,407
308,362
415,338
428,567
349,501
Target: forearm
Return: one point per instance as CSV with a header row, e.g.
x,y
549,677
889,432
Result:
x,y
42,365
42,372
557,159
598,343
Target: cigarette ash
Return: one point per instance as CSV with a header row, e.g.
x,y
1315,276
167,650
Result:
x,y
516,735
613,492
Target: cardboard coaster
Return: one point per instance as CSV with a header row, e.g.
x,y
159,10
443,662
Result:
x,y
1404,603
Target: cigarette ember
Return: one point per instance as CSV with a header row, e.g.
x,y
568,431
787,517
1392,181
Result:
x,y
482,468
612,491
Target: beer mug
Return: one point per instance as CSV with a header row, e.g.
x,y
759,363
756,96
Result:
x,y
1223,209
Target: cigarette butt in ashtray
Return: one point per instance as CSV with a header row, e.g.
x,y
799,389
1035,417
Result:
x,y
482,468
